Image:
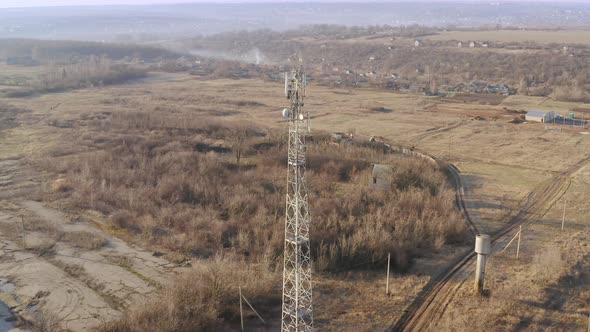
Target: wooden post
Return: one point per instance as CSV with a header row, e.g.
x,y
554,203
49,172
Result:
x,y
387,283
518,245
241,312
22,219
589,322
563,217
509,243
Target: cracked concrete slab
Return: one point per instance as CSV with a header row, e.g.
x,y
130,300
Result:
x,y
81,287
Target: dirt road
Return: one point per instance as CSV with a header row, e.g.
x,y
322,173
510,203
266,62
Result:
x,y
430,305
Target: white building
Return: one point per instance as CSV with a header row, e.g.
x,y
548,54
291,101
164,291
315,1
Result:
x,y
539,116
418,43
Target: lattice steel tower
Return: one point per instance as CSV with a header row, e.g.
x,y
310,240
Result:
x,y
297,313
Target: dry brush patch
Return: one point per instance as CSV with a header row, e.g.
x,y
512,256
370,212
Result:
x,y
85,240
177,185
182,190
544,292
203,299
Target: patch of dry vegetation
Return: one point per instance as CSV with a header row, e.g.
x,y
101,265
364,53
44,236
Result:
x,y
178,182
45,321
202,299
63,51
167,188
544,292
93,71
85,240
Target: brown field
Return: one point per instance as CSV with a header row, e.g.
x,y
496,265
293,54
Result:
x,y
501,163
566,37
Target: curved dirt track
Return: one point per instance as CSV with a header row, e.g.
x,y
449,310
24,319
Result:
x,y
432,302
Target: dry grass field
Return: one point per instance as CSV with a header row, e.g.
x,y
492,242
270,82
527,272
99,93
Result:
x,y
500,162
546,287
566,37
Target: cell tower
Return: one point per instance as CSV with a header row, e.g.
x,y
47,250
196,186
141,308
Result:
x,y
297,313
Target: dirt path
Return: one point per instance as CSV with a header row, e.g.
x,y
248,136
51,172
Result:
x,y
429,306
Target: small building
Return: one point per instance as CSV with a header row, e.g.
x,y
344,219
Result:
x,y
418,43
381,177
472,44
539,116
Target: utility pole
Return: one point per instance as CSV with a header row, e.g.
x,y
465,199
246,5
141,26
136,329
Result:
x,y
387,282
241,311
297,311
22,219
563,217
518,245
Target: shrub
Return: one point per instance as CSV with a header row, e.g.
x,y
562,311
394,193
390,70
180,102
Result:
x,y
122,219
199,204
202,299
86,240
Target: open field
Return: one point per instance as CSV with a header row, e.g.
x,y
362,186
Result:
x,y
500,162
562,37
142,176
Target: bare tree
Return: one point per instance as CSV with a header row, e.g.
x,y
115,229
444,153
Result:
x,y
239,137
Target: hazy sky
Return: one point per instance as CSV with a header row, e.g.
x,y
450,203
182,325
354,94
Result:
x,y
35,3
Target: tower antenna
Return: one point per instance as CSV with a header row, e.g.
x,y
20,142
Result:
x,y
297,312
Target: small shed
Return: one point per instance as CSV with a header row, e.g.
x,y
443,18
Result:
x,y
381,177
539,116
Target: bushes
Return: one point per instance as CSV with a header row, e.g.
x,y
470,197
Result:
x,y
87,73
571,93
200,204
151,181
56,51
202,299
